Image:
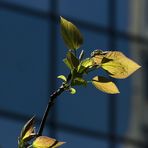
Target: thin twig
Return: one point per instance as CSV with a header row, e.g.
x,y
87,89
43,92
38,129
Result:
x,y
49,105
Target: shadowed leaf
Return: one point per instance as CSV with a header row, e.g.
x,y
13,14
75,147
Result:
x,y
72,60
78,81
105,85
67,63
28,132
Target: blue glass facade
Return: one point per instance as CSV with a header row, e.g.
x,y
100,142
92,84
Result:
x,y
31,53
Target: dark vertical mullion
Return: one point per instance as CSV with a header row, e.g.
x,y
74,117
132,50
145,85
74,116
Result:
x,y
112,108
53,60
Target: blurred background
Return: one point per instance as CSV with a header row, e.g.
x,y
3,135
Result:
x,y
31,53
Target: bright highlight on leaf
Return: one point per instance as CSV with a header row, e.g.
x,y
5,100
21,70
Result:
x,y
71,35
85,64
46,142
118,65
105,85
62,77
72,91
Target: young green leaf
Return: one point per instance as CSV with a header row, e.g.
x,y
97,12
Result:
x,y
78,81
46,142
71,35
67,63
62,77
72,90
72,60
85,64
118,65
105,85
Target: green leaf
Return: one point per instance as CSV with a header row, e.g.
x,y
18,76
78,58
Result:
x,y
72,90
27,133
72,60
118,65
105,85
71,35
85,64
75,74
67,64
46,142
62,77
78,81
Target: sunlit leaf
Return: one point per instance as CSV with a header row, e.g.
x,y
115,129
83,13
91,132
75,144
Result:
x,y
62,77
46,142
85,64
118,65
105,85
97,56
72,90
71,35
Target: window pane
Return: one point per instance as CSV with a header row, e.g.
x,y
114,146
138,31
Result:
x,y
73,141
122,15
93,12
10,131
124,98
35,4
24,63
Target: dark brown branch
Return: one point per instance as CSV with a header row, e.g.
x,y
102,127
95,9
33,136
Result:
x,y
49,105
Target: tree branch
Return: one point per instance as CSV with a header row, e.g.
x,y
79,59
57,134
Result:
x,y
49,105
